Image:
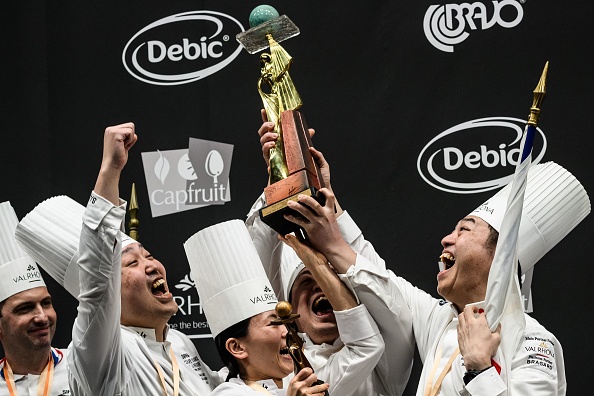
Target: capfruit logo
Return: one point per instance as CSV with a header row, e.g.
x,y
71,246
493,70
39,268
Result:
x,y
476,156
182,48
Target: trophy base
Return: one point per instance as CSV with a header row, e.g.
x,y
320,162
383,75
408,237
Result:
x,y
273,215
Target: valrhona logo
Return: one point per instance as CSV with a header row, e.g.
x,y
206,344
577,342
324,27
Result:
x,y
189,318
267,297
449,24
179,180
182,48
476,156
30,276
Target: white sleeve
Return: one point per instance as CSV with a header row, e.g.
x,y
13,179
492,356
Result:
x,y
96,358
538,369
267,244
397,307
348,368
353,235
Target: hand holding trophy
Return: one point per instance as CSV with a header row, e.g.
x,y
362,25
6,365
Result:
x,y
293,171
284,310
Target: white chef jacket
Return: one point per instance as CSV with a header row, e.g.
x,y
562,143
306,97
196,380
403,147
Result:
x,y
537,367
344,365
236,387
348,362
26,385
109,359
391,373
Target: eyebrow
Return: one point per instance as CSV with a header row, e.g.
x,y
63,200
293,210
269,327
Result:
x,y
305,273
469,219
22,305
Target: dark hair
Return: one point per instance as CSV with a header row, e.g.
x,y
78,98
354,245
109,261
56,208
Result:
x,y
1,306
491,244
238,330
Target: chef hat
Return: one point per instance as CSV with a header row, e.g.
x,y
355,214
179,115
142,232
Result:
x,y
50,233
18,271
229,276
127,240
554,203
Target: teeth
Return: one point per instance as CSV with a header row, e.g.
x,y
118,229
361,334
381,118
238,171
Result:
x,y
317,302
158,283
448,260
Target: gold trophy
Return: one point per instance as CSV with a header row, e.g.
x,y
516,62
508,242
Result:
x,y
284,310
293,170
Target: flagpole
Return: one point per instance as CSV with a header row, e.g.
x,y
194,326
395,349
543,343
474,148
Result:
x,y
537,99
503,294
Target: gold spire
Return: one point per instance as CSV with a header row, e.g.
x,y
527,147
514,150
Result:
x,y
538,97
134,222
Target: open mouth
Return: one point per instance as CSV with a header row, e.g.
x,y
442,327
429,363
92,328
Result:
x,y
159,288
284,351
448,260
322,306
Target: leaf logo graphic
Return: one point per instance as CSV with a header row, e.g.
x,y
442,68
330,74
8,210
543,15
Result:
x,y
185,168
186,283
161,168
214,164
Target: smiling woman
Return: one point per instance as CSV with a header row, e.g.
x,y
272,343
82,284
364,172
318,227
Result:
x,y
230,276
255,353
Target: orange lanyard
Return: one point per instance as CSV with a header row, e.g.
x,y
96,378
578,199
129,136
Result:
x,y
44,385
175,368
430,388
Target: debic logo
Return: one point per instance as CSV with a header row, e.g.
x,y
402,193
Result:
x,y
182,48
448,24
476,156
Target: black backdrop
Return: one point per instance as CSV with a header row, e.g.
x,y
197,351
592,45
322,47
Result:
x,y
374,87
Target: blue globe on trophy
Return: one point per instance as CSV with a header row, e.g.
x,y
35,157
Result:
x,y
262,13
264,19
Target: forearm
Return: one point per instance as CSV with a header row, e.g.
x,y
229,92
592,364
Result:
x,y
341,256
107,184
337,293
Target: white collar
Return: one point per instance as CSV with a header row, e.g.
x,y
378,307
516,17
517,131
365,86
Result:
x,y
148,333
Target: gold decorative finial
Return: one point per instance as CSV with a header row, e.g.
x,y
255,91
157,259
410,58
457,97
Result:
x,y
538,97
134,222
295,343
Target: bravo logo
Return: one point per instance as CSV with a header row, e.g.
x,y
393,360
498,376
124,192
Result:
x,y
182,48
476,156
448,24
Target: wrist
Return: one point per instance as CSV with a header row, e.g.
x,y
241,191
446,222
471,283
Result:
x,y
341,259
471,374
477,361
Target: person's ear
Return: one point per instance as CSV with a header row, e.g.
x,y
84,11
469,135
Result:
x,y
235,348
